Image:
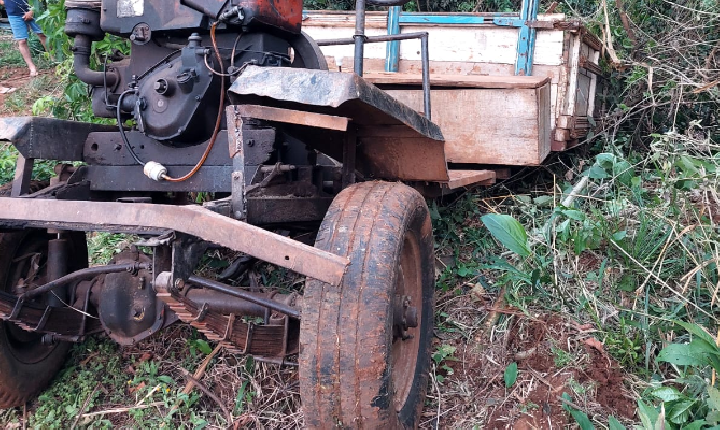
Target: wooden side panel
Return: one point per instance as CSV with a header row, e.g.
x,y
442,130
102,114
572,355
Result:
x,y
489,126
474,44
482,45
582,94
545,120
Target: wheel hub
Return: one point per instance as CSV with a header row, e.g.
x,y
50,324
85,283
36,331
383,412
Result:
x,y
404,316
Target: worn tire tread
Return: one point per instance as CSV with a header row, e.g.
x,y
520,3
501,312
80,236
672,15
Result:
x,y
344,340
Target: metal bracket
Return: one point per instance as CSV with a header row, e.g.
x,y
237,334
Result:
x,y
250,147
526,24
526,38
23,175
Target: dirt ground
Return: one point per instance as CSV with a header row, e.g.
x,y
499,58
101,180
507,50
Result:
x,y
13,79
554,354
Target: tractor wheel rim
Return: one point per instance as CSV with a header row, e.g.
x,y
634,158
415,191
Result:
x,y
404,352
26,346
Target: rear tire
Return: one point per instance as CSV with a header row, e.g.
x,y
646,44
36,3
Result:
x,y
355,371
26,365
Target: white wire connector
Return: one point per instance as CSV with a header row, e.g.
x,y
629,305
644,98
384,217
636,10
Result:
x,y
155,171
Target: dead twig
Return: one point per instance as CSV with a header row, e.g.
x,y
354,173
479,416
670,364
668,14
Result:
x,y
121,410
200,372
204,389
84,406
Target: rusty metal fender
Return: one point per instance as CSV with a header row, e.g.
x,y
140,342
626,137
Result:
x,y
48,138
348,94
394,141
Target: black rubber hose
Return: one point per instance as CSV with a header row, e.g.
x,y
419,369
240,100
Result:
x,y
81,64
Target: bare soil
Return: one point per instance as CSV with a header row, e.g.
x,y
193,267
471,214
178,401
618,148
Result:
x,y
13,79
555,355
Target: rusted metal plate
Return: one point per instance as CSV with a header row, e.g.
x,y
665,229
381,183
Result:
x,y
290,116
108,149
346,95
192,220
211,179
394,141
48,138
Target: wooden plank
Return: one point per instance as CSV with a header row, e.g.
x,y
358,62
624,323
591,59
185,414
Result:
x,y
489,126
461,178
544,122
290,116
459,81
594,58
569,105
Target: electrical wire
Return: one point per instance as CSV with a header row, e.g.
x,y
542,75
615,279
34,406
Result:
x,y
232,61
219,116
122,131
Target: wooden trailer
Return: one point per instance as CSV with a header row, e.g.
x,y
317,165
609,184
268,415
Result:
x,y
506,88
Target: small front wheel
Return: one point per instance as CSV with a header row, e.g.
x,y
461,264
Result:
x,y
365,346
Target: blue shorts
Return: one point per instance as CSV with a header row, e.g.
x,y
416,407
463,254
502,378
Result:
x,y
19,27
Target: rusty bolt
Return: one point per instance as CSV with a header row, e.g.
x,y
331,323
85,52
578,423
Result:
x,y
411,317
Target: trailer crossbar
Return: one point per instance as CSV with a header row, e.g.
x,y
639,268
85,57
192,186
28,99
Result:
x,y
193,220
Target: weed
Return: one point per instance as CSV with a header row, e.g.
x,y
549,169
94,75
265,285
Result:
x,y
561,358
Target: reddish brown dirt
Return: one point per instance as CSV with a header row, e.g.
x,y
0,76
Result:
x,y
554,356
14,79
608,380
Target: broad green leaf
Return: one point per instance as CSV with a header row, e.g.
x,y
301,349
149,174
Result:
x,y
202,345
667,394
606,160
510,376
648,415
573,214
542,200
597,172
680,411
682,355
614,424
623,171
580,417
696,330
695,425
508,231
620,235
713,401
713,417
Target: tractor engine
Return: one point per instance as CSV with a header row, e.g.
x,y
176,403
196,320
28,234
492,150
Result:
x,y
170,84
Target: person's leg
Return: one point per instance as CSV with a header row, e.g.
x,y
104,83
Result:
x,y
20,33
25,51
43,40
37,30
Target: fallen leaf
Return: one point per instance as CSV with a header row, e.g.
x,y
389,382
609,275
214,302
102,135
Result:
x,y
137,387
89,357
594,343
145,357
477,292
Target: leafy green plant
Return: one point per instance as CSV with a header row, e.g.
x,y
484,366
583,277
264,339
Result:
x,y
509,232
442,354
579,416
698,404
510,375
